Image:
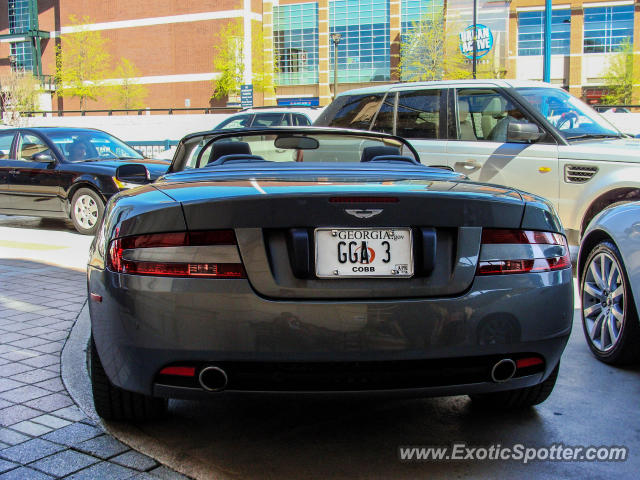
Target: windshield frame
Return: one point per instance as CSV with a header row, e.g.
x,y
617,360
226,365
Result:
x,y
576,109
207,138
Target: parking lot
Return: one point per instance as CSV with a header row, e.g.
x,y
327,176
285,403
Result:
x,y
294,437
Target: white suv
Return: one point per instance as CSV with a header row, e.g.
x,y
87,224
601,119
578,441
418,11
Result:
x,y
270,117
527,135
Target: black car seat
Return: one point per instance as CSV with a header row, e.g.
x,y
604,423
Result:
x,y
369,152
222,148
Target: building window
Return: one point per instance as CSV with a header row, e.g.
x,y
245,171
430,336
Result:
x,y
22,53
364,52
295,39
606,29
20,22
19,16
416,10
531,32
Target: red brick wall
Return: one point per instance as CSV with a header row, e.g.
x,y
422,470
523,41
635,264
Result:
x,y
116,10
169,49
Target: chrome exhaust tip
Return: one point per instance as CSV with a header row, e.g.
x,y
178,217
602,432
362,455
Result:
x,y
213,379
503,370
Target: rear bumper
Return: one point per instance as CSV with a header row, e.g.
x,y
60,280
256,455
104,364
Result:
x,y
146,323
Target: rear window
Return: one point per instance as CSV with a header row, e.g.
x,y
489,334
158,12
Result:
x,y
270,120
351,111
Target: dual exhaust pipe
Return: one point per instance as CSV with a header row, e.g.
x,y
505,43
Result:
x,y
214,379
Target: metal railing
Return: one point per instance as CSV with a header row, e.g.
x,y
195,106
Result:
x,y
630,108
151,148
137,111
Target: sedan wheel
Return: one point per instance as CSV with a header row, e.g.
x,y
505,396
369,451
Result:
x,y
609,316
86,211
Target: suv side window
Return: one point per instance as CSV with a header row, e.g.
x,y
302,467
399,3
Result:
x,y
384,120
484,114
351,111
6,140
300,120
419,114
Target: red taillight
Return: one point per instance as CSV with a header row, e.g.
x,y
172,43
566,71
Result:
x,y
534,252
528,362
119,264
179,371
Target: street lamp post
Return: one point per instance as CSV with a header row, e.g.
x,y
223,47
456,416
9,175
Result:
x,y
336,40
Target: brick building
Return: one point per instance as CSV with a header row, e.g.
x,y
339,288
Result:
x,y
171,42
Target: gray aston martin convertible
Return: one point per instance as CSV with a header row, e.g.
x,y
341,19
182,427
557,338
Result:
x,y
325,261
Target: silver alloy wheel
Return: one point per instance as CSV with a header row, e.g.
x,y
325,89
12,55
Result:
x,y
86,211
603,301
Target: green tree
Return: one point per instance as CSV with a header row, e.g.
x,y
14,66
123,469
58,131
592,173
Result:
x,y
82,62
128,93
620,76
230,62
429,52
18,93
228,59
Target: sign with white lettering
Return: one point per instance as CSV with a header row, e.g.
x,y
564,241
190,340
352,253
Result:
x,y
484,41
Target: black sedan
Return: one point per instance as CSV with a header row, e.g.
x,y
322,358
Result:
x,y
67,173
310,260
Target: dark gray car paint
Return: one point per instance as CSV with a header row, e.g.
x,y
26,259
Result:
x,y
144,323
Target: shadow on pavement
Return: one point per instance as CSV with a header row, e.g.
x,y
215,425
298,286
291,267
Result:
x,y
58,224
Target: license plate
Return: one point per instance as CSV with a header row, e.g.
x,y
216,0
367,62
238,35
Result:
x,y
364,252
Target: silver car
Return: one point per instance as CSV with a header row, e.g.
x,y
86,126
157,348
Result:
x,y
350,268
609,274
532,136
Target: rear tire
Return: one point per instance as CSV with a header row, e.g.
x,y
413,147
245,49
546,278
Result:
x,y
114,403
519,398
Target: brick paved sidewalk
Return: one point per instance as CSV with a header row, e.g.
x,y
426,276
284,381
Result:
x,y
43,434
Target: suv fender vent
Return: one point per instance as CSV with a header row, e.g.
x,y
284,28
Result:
x,y
579,173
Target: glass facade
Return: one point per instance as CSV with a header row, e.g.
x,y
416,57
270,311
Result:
x,y
607,28
415,10
364,52
20,22
295,41
531,32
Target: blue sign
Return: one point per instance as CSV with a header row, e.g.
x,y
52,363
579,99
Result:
x,y
484,41
246,96
300,101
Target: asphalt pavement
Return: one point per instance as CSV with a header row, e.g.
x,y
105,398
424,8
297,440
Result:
x,y
274,437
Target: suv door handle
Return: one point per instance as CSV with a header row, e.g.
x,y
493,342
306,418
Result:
x,y
468,166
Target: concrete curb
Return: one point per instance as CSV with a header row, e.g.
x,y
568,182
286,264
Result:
x,y
75,376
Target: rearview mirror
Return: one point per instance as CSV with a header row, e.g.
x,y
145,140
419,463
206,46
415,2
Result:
x,y
296,142
523,132
43,158
133,173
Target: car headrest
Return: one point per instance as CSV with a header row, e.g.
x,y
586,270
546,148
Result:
x,y
236,158
395,158
220,149
369,152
